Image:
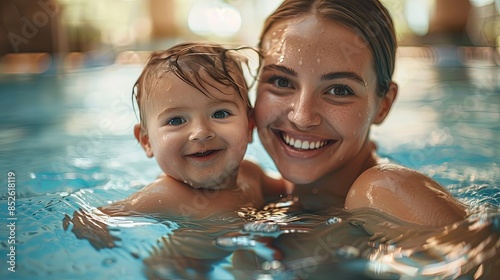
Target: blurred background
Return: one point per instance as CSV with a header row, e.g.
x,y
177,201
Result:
x,y
61,35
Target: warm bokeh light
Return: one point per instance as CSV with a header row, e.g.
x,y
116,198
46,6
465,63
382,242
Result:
x,y
214,18
76,30
418,15
480,3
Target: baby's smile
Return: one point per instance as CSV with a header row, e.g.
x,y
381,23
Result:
x,y
204,155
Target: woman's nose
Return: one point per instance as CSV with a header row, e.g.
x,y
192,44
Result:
x,y
201,132
303,113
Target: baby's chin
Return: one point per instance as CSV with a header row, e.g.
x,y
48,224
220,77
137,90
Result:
x,y
216,185
212,188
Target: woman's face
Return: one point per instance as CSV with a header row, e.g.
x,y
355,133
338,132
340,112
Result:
x,y
316,98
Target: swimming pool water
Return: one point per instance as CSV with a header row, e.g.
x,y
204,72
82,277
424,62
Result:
x,y
68,139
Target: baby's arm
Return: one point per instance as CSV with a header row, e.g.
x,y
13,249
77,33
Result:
x,y
162,196
273,187
406,194
93,225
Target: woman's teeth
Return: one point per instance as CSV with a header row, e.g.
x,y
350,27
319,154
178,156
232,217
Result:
x,y
303,144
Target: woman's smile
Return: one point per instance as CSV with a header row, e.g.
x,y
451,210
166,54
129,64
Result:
x,y
302,146
300,143
314,113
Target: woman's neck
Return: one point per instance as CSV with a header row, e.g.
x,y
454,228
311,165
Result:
x,y
331,189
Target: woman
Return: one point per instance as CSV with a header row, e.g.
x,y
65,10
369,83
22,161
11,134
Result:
x,y
326,77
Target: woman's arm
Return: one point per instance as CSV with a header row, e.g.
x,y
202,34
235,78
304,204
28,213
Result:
x,y
406,194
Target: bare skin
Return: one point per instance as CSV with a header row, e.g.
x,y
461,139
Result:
x,y
199,142
315,105
167,195
198,135
404,193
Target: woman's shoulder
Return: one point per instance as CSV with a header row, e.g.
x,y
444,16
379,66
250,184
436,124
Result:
x,y
404,193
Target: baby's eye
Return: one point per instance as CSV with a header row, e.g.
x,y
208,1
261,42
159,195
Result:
x,y
341,90
221,114
176,121
280,82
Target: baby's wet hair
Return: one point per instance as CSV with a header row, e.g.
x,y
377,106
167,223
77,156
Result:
x,y
203,66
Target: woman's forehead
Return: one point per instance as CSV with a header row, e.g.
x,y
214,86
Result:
x,y
309,30
312,42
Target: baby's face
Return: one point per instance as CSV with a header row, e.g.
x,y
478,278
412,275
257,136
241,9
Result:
x,y
197,139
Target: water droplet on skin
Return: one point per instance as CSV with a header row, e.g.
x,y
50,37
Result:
x,y
281,58
300,61
282,44
299,50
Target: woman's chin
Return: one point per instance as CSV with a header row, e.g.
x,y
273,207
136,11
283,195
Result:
x,y
299,177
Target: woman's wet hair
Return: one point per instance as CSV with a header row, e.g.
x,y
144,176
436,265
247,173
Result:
x,y
203,66
367,18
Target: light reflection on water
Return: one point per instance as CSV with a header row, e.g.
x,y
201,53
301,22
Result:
x,y
358,245
69,140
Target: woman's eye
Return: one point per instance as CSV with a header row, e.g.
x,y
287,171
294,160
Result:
x,y
176,121
221,114
341,90
280,82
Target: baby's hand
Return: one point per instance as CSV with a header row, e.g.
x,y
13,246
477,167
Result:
x,y
89,226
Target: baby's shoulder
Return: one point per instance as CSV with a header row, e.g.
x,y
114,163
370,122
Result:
x,y
270,185
250,166
250,173
160,196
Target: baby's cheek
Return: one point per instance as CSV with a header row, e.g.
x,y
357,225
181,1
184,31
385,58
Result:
x,y
241,145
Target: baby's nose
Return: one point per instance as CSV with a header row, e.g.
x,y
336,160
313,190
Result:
x,y
202,133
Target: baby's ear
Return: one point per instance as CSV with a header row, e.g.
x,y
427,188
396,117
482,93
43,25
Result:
x,y
142,137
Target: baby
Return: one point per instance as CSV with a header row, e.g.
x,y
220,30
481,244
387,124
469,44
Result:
x,y
195,120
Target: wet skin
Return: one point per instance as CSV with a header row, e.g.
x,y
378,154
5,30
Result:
x,y
316,102
318,90
194,138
